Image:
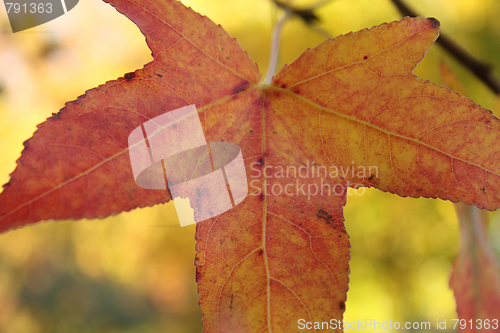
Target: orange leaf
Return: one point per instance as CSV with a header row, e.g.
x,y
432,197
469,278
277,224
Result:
x,y
450,79
348,113
475,278
77,163
374,111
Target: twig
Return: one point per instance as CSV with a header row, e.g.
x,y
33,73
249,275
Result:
x,y
480,69
306,14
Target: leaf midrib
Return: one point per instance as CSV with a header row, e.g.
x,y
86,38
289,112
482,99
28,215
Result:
x,y
195,45
368,124
104,161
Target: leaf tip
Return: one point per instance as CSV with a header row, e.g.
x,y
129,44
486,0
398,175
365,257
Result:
x,y
435,24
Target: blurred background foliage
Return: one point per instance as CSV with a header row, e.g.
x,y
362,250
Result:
x,y
134,272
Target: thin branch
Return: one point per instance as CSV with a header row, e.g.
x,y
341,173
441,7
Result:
x,y
483,71
275,46
306,14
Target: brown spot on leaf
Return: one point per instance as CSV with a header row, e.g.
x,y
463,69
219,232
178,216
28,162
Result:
x,y
342,305
198,273
321,214
129,76
240,87
365,57
434,22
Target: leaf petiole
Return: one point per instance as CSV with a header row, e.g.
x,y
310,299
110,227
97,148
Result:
x,y
275,45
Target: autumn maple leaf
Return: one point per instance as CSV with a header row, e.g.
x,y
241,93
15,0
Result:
x,y
349,113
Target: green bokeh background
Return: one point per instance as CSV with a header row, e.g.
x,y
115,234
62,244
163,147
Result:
x,y
134,272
